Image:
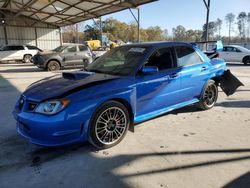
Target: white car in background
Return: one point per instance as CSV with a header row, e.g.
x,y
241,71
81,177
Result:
x,y
18,52
235,53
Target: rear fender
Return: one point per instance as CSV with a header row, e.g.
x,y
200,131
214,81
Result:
x,y
229,83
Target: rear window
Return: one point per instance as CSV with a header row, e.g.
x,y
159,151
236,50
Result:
x,y
82,48
33,48
187,56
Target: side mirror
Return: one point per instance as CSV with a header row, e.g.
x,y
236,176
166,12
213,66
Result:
x,y
150,70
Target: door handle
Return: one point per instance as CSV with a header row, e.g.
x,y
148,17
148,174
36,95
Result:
x,y
203,68
173,76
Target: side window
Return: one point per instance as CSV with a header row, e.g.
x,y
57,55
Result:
x,y
187,56
70,49
231,49
237,50
16,48
224,49
33,48
82,48
161,58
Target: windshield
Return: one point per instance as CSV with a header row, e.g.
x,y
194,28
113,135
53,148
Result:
x,y
59,49
118,61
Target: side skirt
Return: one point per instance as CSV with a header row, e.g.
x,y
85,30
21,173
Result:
x,y
156,113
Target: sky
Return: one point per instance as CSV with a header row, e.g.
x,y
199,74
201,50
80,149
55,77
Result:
x,y
189,13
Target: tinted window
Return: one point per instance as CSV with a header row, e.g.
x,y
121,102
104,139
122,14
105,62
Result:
x,y
33,48
231,49
13,48
70,49
82,48
187,56
161,58
17,48
59,48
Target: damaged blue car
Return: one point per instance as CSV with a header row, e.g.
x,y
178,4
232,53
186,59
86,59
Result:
x,y
127,85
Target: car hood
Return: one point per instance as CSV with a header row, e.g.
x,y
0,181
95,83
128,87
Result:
x,y
64,84
47,53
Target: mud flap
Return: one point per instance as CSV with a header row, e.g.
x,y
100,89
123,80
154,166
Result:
x,y
229,83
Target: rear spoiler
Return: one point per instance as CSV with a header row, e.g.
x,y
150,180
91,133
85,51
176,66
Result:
x,y
216,45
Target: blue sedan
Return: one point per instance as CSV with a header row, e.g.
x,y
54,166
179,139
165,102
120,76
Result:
x,y
127,85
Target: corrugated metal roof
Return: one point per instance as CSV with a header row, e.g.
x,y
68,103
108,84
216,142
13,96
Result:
x,y
66,12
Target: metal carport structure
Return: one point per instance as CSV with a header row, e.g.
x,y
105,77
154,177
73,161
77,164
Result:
x,y
58,13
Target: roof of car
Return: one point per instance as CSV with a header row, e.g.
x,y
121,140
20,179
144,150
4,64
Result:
x,y
159,44
231,45
72,44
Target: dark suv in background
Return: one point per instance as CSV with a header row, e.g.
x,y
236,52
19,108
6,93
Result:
x,y
67,55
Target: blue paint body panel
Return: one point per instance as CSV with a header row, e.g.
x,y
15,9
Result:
x,y
148,96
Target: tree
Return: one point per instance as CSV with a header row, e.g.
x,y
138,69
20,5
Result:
x,y
242,20
155,33
179,33
212,28
248,30
229,19
218,24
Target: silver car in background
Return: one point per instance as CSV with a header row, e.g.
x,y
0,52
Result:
x,y
235,53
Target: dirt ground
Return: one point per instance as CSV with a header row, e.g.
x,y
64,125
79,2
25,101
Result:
x,y
184,148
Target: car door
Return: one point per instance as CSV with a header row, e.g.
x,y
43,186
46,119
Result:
x,y
13,53
19,52
193,72
230,54
159,90
70,55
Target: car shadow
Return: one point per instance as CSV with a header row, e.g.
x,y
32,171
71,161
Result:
x,y
241,182
234,104
239,64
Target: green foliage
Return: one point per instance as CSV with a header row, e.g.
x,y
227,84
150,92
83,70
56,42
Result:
x,y
242,20
117,30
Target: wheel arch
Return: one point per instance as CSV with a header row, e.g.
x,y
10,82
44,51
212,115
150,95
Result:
x,y
126,104
245,57
216,79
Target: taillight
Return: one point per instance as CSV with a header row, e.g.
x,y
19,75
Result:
x,y
217,55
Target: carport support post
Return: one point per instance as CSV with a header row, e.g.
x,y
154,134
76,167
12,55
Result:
x,y
5,34
207,4
36,36
137,21
101,30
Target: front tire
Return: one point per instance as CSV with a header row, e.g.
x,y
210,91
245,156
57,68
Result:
x,y
209,96
53,66
109,125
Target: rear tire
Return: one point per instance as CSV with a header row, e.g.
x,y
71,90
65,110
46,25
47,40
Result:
x,y
209,96
53,66
27,58
109,125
